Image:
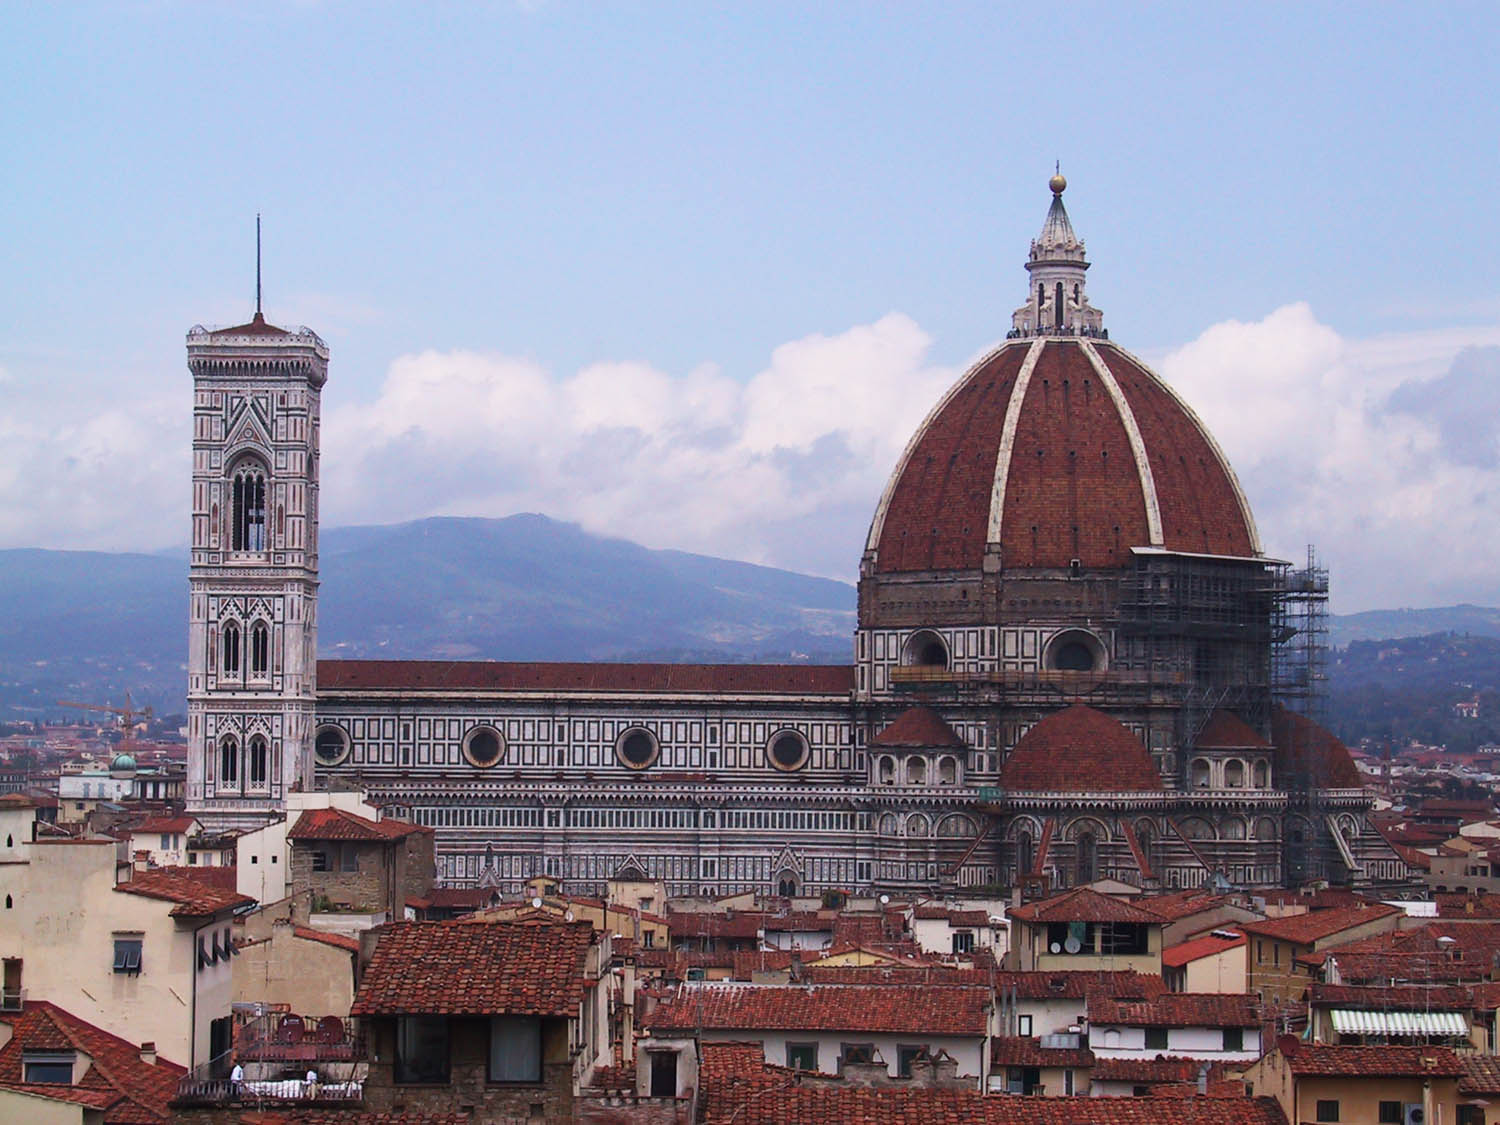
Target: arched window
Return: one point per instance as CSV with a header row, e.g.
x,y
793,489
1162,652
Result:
x,y
1262,774
916,770
1232,829
248,530
1234,774
256,767
916,825
887,770
1025,854
947,770
1202,774
786,885
925,649
260,649
229,761
1057,313
1087,856
230,645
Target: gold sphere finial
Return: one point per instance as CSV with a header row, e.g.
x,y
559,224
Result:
x,y
1057,183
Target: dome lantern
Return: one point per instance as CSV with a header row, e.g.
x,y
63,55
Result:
x,y
1057,304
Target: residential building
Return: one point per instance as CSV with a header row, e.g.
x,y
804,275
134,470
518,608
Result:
x,y
1278,948
1205,1026
1082,929
1314,1082
505,1019
826,1028
1214,962
164,839
361,870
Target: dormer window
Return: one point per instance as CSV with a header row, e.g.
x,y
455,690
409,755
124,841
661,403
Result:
x,y
48,1068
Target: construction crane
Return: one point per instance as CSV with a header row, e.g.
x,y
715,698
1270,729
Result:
x,y
129,718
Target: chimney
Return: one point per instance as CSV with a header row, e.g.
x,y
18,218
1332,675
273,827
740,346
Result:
x,y
1203,1079
1287,1045
148,1053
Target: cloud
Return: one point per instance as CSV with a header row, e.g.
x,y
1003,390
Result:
x,y
782,468
1382,452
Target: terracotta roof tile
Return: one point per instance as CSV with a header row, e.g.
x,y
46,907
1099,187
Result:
x,y
475,968
194,898
1080,750
165,824
323,937
1373,1062
474,675
1316,925
1027,1050
1162,1068
1227,731
1084,904
917,727
1077,985
1175,956
1177,1009
937,1010
1306,750
337,824
1481,1075
140,1090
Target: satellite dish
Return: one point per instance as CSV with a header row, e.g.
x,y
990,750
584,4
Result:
x,y
537,902
567,916
1072,945
1054,948
884,899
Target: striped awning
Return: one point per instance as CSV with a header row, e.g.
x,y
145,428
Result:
x,y
1350,1021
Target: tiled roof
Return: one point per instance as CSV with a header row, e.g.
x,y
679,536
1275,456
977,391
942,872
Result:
x,y
1408,998
225,878
1084,904
475,968
920,727
1372,1062
1481,1076
194,898
1182,904
1162,1068
476,675
1177,1009
1074,488
936,1010
336,824
1227,731
1080,749
323,937
138,1091
1318,924
620,1077
258,326
769,1104
165,824
1027,1050
1176,956
900,974
1306,750
1076,985
743,924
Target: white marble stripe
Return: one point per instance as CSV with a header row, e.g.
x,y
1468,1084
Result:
x,y
1137,443
1008,439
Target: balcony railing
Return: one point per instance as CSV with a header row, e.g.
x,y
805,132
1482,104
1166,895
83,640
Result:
x,y
275,1053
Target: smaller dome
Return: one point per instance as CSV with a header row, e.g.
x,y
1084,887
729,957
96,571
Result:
x,y
1080,750
122,763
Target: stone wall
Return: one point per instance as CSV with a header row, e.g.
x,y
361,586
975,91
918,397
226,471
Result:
x,y
468,1088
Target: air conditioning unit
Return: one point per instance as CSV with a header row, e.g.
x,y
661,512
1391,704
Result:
x,y
1412,1114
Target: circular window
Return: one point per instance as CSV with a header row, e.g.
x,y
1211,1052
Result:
x,y
330,745
484,746
1075,651
637,748
788,750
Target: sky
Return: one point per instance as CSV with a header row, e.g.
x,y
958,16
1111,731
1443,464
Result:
x,y
691,274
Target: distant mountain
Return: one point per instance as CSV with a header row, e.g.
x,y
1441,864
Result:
x,y
91,625
1388,624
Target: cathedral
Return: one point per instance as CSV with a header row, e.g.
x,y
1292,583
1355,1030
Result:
x,y
1064,665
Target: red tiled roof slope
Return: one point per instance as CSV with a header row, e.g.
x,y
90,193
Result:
x,y
481,675
1080,749
1177,1009
917,726
137,1091
1305,750
194,898
337,824
1318,924
475,968
1379,1061
1227,731
1084,904
936,1010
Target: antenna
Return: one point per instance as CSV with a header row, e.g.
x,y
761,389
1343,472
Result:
x,y
257,263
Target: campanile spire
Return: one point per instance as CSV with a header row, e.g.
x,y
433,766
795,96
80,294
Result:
x,y
1057,304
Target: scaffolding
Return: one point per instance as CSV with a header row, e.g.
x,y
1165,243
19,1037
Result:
x,y
1299,657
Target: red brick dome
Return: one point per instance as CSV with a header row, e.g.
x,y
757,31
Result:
x,y
1054,449
1079,750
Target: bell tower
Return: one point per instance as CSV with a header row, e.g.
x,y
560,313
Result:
x,y
253,623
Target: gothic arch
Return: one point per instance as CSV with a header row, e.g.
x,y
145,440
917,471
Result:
x,y
957,825
925,649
